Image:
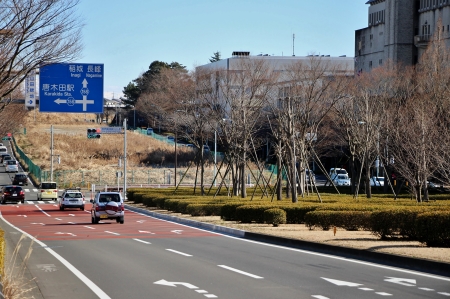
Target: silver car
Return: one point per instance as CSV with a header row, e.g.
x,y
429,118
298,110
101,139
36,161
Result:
x,y
107,206
12,166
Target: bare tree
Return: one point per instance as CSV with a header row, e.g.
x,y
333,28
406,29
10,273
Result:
x,y
308,90
34,33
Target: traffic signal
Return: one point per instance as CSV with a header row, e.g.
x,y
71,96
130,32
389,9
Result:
x,y
93,133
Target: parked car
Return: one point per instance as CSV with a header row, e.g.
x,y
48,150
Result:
x,y
12,193
12,166
341,180
47,190
107,206
20,179
71,198
336,171
6,159
377,181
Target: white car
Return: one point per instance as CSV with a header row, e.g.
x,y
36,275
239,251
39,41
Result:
x,y
6,159
341,180
12,166
336,171
107,206
71,199
377,181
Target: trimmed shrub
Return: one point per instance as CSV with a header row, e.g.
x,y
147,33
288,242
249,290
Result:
x,y
398,222
228,211
275,216
204,209
251,213
322,219
433,228
296,214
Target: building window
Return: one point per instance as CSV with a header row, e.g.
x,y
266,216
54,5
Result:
x,y
370,64
380,62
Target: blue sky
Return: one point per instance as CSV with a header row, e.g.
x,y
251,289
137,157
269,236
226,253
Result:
x,y
127,36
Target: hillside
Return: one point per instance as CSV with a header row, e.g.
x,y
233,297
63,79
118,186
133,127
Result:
x,y
80,154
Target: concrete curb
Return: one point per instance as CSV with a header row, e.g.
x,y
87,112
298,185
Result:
x,y
392,260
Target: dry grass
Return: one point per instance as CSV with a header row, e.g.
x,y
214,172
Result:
x,y
15,285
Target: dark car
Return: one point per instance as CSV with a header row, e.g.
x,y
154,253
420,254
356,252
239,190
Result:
x,y
20,179
12,193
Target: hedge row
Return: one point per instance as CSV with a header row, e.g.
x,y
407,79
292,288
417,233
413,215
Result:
x,y
404,220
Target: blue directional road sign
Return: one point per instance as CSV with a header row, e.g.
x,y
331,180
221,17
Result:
x,y
71,88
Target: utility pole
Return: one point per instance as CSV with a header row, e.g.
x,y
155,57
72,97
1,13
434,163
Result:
x,y
124,158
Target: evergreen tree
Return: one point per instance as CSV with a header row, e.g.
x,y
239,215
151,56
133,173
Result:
x,y
215,57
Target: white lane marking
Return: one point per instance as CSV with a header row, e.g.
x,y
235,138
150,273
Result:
x,y
90,227
42,210
99,292
142,241
383,294
71,215
402,281
201,291
71,222
178,252
365,289
319,297
61,233
240,272
145,232
38,223
445,294
177,231
25,216
342,283
426,289
58,219
210,296
303,251
106,231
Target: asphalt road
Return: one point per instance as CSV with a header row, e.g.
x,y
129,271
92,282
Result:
x,y
151,258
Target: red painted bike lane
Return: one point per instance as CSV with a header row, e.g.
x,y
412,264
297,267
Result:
x,y
47,222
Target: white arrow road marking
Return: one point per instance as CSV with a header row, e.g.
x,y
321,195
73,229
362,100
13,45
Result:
x,y
146,232
173,284
402,281
38,223
22,216
181,253
112,233
342,283
240,272
177,232
142,241
60,233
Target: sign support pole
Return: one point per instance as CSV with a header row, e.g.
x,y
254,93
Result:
x,y
51,153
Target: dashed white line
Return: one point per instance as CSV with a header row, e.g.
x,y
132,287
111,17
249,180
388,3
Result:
x,y
210,296
426,289
142,241
71,222
178,252
319,297
42,210
445,294
365,289
383,294
241,272
90,227
112,233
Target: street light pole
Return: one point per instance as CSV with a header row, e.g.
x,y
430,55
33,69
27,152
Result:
x,y
215,155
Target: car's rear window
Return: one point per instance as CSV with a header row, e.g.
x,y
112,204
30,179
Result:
x,y
109,197
20,176
73,195
11,162
13,189
48,186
